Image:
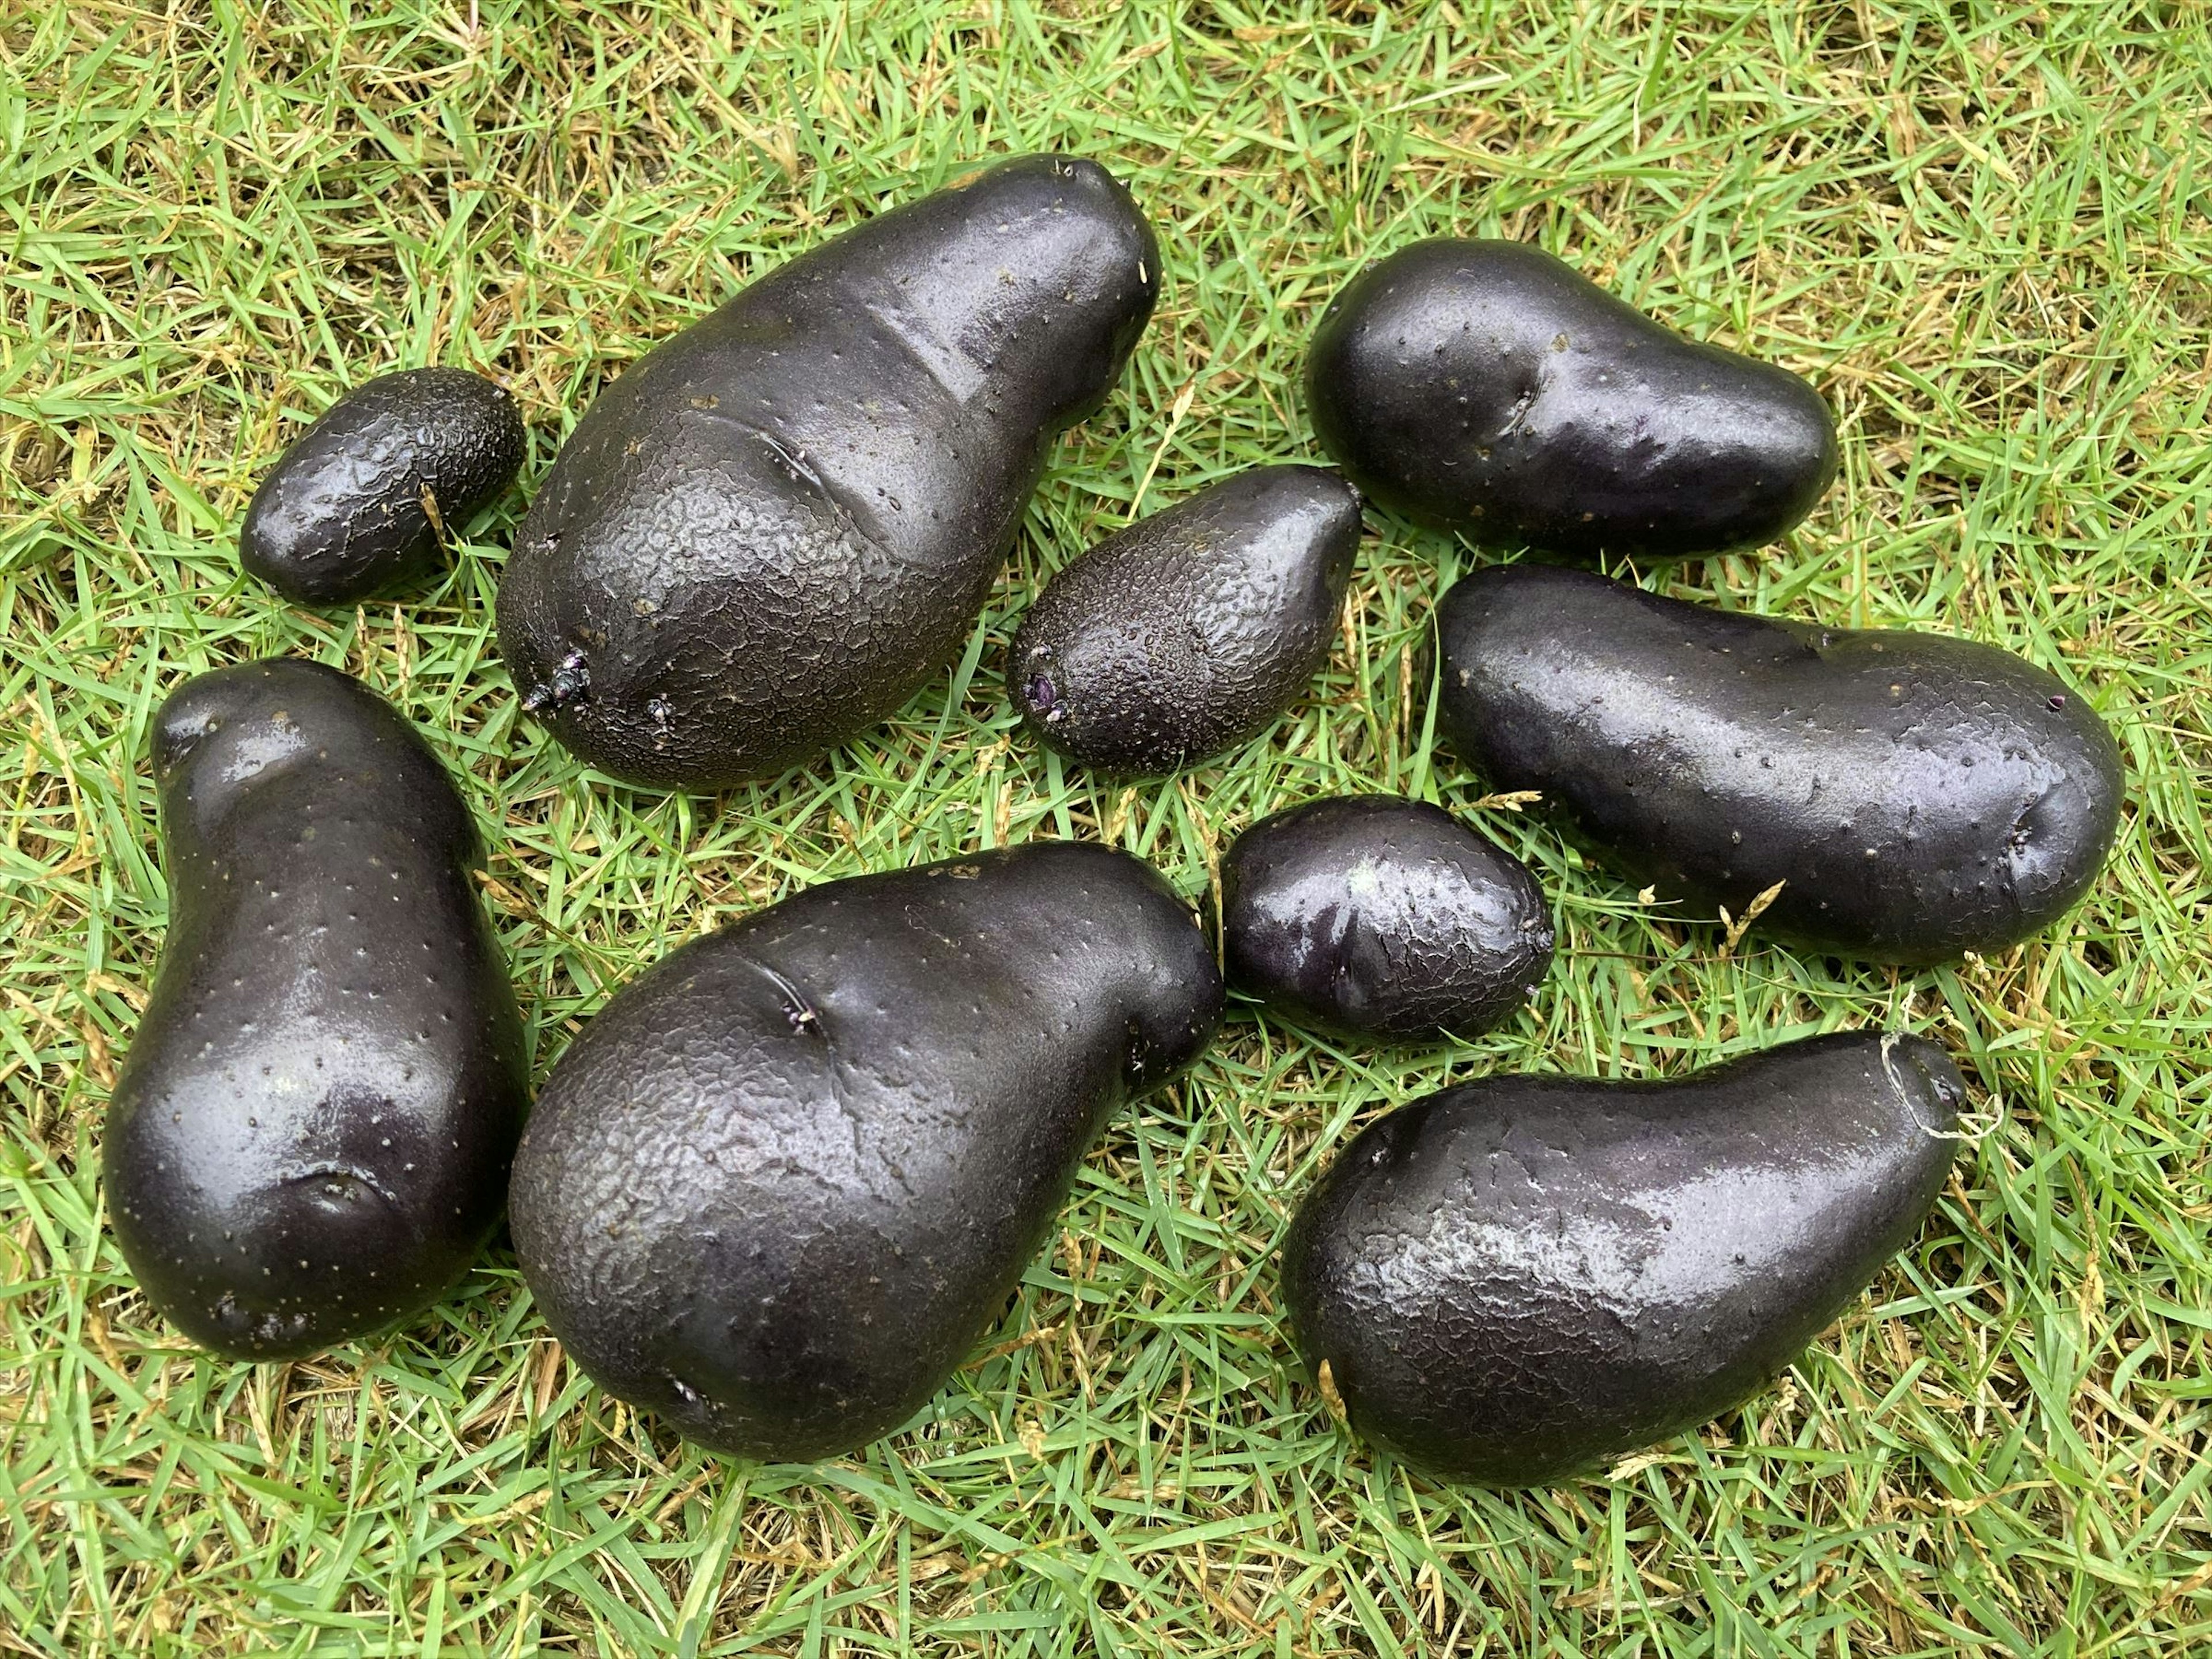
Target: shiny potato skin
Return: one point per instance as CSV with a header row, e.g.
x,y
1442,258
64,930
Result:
x,y
311,1136
1917,796
785,1180
1189,632
341,518
768,534
1514,1281
1376,916
1489,388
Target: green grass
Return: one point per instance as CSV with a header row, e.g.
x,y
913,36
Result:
x,y
1985,229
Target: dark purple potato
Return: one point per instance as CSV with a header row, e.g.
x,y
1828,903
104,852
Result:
x,y
1381,917
1191,631
357,505
766,536
782,1183
1912,796
311,1137
1516,1280
1487,387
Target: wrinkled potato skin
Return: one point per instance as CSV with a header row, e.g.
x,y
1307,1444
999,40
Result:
x,y
784,1181
345,514
768,534
1190,632
1516,1280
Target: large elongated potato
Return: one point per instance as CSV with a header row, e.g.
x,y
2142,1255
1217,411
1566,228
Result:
x,y
1513,1280
1912,796
784,1181
311,1136
766,536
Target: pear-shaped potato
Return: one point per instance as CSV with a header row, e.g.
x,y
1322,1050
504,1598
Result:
x,y
769,533
311,1136
358,504
1381,917
1487,387
1905,797
781,1183
1189,632
1515,1281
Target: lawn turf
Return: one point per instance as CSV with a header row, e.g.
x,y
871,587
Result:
x,y
1984,230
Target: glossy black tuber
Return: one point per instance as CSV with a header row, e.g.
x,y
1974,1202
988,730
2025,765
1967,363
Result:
x,y
1189,632
311,1136
767,535
1381,917
783,1181
1514,1281
363,501
1487,387
1911,796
